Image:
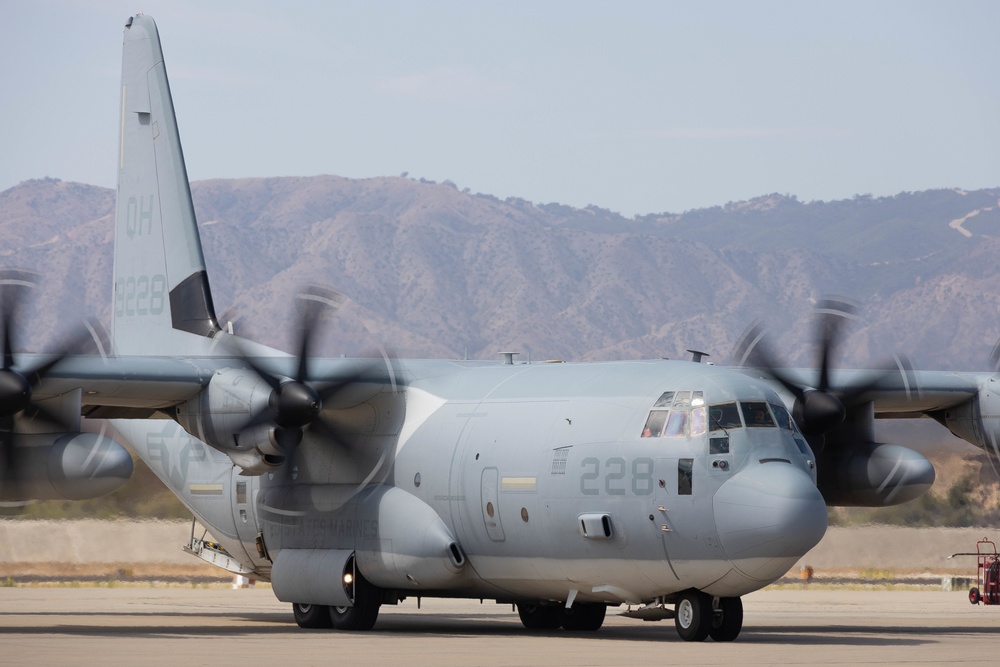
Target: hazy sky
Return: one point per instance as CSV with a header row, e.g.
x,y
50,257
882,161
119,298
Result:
x,y
639,107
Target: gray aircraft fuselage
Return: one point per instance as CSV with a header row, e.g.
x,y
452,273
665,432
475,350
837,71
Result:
x,y
544,474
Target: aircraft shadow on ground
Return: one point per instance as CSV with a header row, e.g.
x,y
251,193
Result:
x,y
448,625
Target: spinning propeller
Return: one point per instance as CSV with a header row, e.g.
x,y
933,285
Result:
x,y
818,409
296,403
17,381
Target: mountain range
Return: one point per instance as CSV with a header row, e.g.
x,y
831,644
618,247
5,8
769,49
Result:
x,y
429,270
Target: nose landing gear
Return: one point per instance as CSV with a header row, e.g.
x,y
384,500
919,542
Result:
x,y
699,616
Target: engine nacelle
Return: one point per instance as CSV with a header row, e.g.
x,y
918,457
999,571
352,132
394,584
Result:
x,y
977,421
872,475
217,414
64,466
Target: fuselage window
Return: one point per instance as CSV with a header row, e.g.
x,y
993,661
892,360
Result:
x,y
723,417
719,445
685,476
756,415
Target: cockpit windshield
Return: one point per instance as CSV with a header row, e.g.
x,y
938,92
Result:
x,y
723,417
756,415
782,417
677,414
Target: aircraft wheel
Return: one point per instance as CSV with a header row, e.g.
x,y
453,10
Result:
x,y
539,616
727,620
583,617
974,595
362,616
693,618
312,616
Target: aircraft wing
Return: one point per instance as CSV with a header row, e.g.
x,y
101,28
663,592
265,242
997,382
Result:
x,y
134,386
896,395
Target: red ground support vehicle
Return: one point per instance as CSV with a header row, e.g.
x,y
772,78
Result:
x,y
987,573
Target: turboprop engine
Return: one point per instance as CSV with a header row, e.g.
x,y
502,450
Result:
x,y
978,419
220,415
855,471
63,466
873,474
838,419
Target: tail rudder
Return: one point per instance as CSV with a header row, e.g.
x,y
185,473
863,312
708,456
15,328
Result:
x,y
161,290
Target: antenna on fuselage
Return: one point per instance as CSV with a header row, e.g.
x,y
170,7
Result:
x,y
697,356
508,358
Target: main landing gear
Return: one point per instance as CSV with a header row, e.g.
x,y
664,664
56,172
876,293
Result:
x,y
360,617
578,618
699,616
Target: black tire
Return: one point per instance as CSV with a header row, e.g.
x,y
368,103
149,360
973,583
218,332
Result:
x,y
693,617
364,613
974,596
312,616
583,617
727,620
539,616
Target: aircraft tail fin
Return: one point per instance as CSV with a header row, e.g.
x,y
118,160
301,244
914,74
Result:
x,y
161,291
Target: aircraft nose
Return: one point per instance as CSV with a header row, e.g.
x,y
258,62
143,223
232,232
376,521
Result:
x,y
768,516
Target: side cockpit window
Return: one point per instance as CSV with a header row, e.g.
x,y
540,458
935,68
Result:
x,y
654,423
676,414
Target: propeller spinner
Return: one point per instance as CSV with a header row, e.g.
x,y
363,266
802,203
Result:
x,y
818,409
296,403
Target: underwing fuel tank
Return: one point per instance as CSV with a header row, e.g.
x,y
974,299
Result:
x,y
63,466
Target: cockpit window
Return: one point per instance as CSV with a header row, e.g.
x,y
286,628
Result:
x,y
723,417
782,417
676,425
665,399
677,414
698,419
654,424
756,415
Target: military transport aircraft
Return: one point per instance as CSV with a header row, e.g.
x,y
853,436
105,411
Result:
x,y
673,487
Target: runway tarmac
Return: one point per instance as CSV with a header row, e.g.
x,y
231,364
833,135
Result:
x,y
60,626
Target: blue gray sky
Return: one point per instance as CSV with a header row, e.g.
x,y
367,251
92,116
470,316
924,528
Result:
x,y
639,107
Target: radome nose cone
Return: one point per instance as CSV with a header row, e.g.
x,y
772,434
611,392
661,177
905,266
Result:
x,y
768,516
